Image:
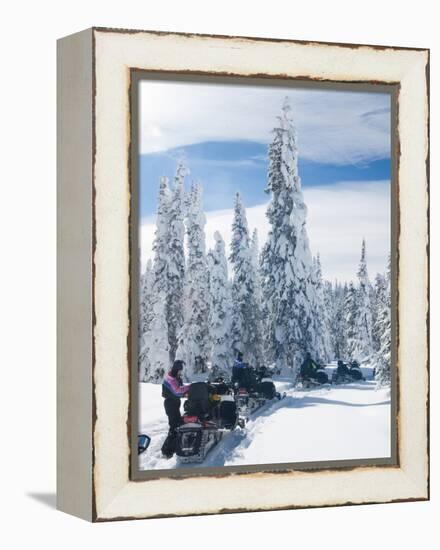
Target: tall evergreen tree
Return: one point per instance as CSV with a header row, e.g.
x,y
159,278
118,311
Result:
x,y
330,304
377,303
364,319
176,260
145,296
220,308
321,313
350,321
339,325
286,261
145,314
154,346
255,260
194,340
383,356
246,320
154,350
257,298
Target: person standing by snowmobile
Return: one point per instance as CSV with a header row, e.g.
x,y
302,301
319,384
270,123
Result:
x,y
355,370
308,367
342,368
312,373
238,370
173,389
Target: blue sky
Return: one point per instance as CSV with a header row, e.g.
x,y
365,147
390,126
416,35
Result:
x,y
227,166
223,132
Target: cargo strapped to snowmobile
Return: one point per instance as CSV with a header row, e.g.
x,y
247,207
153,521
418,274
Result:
x,y
198,403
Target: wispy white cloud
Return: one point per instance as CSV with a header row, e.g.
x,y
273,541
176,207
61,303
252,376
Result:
x,y
333,126
233,163
339,217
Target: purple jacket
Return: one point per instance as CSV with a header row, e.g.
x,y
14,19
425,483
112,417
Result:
x,y
172,387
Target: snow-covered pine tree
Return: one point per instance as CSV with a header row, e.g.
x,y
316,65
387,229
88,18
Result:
x,y
258,357
220,308
364,319
286,261
372,307
339,327
194,340
323,344
154,350
379,299
330,304
383,356
350,321
255,259
315,343
154,346
145,313
145,310
246,321
176,260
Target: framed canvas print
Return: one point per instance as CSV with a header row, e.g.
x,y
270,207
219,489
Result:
x,y
243,274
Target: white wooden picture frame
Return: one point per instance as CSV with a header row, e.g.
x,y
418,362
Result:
x,y
96,480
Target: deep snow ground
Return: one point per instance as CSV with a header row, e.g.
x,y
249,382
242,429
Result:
x,y
330,423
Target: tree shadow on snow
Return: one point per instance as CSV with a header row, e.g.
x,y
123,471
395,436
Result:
x,y
364,386
312,401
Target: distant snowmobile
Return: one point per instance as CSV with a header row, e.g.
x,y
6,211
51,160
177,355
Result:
x,y
347,374
210,411
252,390
317,379
311,374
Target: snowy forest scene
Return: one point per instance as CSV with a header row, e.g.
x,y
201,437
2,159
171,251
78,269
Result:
x,y
265,287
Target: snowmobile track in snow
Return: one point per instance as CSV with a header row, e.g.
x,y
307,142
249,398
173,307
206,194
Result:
x,y
223,450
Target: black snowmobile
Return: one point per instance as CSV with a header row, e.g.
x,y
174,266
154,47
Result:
x,y
347,374
312,375
252,389
210,411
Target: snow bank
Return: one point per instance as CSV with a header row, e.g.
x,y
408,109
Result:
x,y
348,422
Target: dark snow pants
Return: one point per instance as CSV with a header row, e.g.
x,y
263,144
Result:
x,y
172,409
